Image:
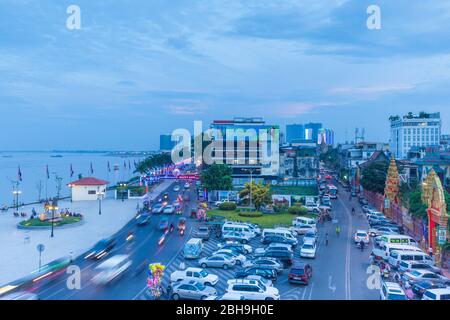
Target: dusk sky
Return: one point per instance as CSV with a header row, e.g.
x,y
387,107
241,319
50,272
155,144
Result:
x,y
137,69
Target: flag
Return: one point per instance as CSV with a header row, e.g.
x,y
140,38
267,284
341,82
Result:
x,y
124,164
129,165
135,165
92,169
71,171
19,174
47,172
109,167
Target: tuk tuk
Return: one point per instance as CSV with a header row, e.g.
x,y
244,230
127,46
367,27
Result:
x,y
163,223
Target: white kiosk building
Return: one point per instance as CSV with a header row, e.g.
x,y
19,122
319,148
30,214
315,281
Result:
x,y
88,189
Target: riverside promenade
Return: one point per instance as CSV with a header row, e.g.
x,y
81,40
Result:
x,y
18,252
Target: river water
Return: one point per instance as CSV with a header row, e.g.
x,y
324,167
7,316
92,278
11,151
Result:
x,y
34,173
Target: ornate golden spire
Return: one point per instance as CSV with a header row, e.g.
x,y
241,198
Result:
x,y
392,188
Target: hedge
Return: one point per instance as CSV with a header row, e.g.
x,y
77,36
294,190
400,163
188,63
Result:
x,y
228,206
251,214
297,210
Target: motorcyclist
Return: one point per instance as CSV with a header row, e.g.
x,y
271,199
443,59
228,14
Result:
x,y
171,227
353,211
362,244
338,230
326,238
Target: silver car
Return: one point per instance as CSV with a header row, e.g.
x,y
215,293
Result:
x,y
192,290
424,275
217,261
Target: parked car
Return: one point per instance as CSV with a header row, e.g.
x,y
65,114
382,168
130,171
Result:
x,y
419,287
314,208
310,236
308,250
217,261
236,236
437,294
278,239
287,258
303,229
262,280
238,257
300,273
192,290
392,291
266,262
197,274
187,185
169,209
361,235
227,296
101,249
236,246
157,208
420,275
408,266
176,188
203,232
252,290
266,272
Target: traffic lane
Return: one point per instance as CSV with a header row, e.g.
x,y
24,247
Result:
x,y
56,288
148,250
361,274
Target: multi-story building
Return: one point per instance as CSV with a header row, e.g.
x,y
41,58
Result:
x,y
412,130
326,136
242,145
445,141
312,131
165,143
439,162
299,162
295,132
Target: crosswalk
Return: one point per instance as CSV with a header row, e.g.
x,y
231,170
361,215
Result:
x,y
209,247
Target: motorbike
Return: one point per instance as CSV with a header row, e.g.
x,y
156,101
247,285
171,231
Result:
x,y
162,238
130,237
359,246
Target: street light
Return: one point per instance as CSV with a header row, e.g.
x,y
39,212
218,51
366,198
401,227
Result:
x,y
53,207
251,183
100,195
16,194
122,186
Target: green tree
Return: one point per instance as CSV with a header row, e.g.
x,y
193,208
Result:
x,y
374,176
217,177
330,158
260,193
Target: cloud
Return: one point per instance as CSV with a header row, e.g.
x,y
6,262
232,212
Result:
x,y
187,110
380,89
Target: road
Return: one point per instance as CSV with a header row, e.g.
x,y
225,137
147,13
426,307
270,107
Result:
x,y
339,269
144,247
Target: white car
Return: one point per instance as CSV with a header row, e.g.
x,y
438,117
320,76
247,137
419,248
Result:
x,y
236,246
302,229
240,258
187,185
169,209
176,188
252,290
262,280
236,236
227,296
392,291
437,294
361,235
111,269
310,236
197,274
312,208
308,250
280,246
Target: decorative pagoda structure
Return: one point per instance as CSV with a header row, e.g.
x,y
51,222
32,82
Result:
x,y
392,188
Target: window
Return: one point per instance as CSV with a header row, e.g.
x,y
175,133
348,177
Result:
x,y
92,192
430,295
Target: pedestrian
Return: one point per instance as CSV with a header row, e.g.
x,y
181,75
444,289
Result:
x,y
338,230
326,238
371,259
430,252
182,265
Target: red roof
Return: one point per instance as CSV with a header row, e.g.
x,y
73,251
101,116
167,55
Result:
x,y
89,181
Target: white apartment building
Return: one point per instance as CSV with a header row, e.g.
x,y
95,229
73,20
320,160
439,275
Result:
x,y
423,130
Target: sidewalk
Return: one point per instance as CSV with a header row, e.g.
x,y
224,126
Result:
x,y
20,257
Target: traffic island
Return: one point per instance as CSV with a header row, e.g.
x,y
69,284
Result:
x,y
61,222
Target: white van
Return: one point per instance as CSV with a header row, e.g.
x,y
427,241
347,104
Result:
x,y
385,250
300,221
397,256
282,232
111,269
437,294
398,239
238,227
